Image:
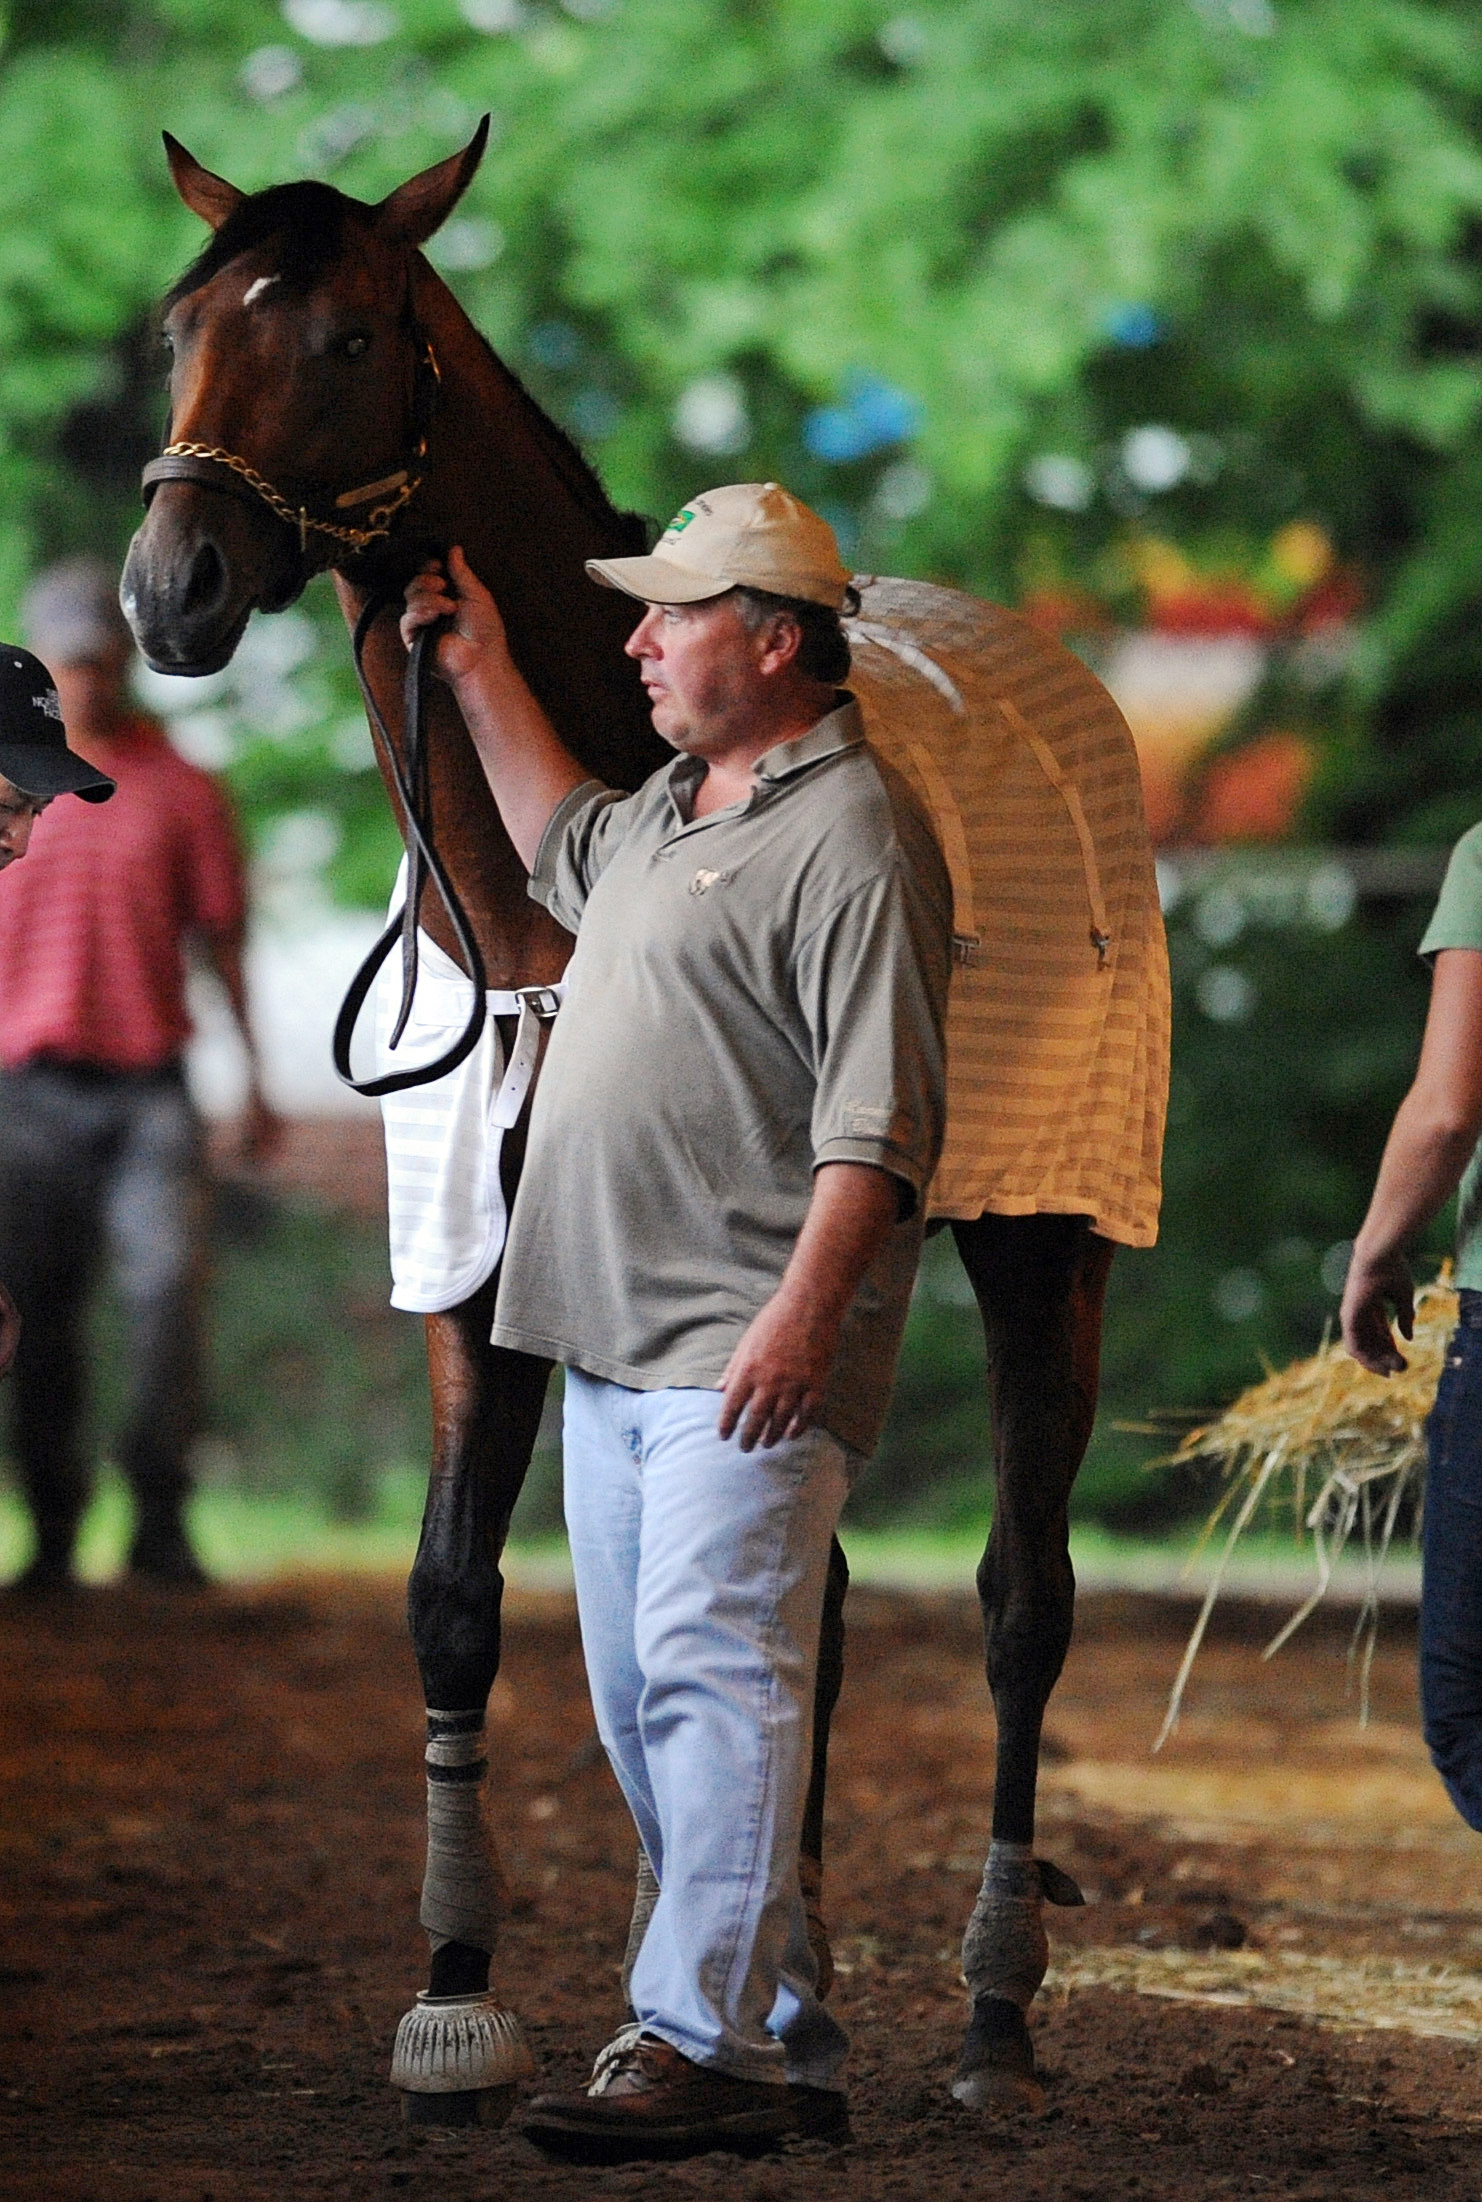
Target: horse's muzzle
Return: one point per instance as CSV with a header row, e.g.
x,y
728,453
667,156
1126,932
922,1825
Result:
x,y
196,570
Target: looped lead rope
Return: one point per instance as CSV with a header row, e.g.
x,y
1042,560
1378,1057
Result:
x,y
409,776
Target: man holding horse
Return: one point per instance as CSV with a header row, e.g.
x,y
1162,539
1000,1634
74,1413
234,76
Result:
x,y
716,1234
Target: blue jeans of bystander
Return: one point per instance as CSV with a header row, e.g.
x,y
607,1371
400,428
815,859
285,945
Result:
x,y
1451,1594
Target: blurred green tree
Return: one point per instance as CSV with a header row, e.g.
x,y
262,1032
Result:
x,y
895,253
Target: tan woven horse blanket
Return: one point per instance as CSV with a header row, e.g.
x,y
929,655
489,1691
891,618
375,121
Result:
x,y
1058,1015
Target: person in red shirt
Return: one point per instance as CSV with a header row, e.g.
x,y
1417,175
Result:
x,y
100,1146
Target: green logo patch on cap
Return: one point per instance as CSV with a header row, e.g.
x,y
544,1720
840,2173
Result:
x,y
680,522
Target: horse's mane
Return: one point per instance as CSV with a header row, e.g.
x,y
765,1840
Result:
x,y
572,463
308,220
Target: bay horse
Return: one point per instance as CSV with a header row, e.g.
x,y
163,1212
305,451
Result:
x,y
332,407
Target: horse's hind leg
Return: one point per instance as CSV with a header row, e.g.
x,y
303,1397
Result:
x,y
486,1405
1040,1282
825,1699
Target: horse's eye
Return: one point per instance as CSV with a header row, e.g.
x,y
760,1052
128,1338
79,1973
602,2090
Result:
x,y
167,343
355,347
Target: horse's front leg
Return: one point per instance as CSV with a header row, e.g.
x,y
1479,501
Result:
x,y
1040,1282
458,2055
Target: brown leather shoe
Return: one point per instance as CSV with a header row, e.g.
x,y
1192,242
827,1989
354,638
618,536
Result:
x,y
655,2102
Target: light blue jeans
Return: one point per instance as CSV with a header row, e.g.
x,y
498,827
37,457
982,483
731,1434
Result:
x,y
699,1576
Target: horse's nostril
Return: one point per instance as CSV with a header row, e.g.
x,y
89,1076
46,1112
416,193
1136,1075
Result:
x,y
206,582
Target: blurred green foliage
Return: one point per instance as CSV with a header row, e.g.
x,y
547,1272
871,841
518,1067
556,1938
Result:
x,y
890,250
896,252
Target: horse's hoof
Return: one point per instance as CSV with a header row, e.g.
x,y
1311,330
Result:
x,y
458,2061
484,2106
996,2069
999,2092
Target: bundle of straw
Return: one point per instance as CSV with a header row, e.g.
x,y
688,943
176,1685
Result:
x,y
1324,1427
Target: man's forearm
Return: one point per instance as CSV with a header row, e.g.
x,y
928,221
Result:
x,y
777,1377
528,767
226,956
852,1213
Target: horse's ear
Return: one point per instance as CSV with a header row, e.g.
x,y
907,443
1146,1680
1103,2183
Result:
x,y
212,197
421,205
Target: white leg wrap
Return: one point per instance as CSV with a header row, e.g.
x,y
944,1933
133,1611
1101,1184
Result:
x,y
1005,1951
463,1894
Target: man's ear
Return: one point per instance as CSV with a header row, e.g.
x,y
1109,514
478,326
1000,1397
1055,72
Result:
x,y
423,203
212,197
783,635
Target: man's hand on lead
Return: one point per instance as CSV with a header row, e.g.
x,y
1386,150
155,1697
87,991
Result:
x,y
454,593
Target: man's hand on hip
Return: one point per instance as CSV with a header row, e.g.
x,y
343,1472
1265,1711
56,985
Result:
x,y
776,1379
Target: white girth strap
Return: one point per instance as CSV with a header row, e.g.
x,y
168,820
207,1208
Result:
x,y
442,999
534,1006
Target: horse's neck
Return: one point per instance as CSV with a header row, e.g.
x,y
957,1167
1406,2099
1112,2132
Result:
x,y
526,519
502,483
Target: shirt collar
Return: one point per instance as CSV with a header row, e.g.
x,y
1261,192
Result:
x,y
840,729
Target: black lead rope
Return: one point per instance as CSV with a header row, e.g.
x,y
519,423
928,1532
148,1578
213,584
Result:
x,y
408,774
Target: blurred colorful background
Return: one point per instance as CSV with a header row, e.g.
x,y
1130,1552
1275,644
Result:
x,y
1161,319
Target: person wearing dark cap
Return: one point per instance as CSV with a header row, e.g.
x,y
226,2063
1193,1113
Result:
x,y
100,1146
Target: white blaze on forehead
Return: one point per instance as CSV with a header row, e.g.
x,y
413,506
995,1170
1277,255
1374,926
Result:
x,y
263,283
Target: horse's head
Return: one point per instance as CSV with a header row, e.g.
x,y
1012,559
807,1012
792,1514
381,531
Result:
x,y
299,391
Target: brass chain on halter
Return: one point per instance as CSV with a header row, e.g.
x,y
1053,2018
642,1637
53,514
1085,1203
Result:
x,y
380,517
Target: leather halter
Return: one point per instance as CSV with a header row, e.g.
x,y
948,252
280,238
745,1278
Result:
x,y
210,466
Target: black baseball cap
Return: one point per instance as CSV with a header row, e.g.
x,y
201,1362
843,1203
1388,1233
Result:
x,y
34,756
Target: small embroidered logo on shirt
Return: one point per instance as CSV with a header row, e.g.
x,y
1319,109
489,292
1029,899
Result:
x,y
703,881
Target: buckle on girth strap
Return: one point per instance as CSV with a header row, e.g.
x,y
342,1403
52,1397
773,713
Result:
x,y
534,1006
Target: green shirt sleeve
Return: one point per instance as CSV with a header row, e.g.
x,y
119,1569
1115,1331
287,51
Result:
x,y
1457,921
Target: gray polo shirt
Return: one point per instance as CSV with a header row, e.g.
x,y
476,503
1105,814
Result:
x,y
752,994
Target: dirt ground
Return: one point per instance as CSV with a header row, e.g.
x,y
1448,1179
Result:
x,y
211,1829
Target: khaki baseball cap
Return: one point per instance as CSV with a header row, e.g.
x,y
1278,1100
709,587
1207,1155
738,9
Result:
x,y
749,535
